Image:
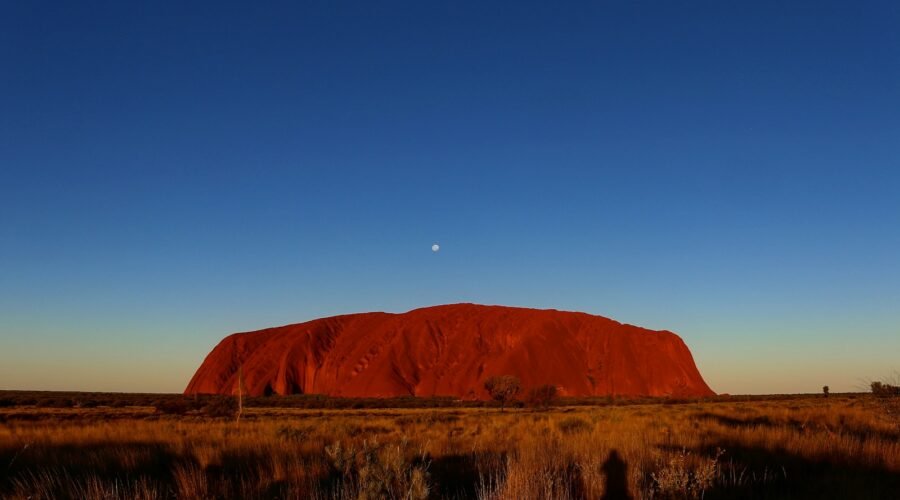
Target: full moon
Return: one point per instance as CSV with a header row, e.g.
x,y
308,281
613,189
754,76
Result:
x,y
435,247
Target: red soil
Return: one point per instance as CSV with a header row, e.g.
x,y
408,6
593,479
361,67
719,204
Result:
x,y
449,351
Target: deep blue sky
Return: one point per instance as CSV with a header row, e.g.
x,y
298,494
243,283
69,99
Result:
x,y
177,171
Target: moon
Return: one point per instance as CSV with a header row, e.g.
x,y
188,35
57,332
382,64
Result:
x,y
435,247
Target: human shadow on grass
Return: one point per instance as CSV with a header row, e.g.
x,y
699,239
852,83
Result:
x,y
615,481
459,475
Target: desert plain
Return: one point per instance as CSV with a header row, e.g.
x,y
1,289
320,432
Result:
x,y
125,446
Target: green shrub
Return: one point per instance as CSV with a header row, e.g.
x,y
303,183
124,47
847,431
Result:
x,y
55,403
573,425
288,433
676,479
175,406
221,407
377,471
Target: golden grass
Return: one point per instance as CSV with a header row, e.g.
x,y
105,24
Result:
x,y
798,448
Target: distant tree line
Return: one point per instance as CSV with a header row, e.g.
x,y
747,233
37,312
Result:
x,y
885,390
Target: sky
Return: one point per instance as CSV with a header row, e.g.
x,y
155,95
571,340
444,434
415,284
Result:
x,y
172,172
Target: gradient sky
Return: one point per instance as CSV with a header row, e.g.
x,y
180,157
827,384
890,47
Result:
x,y
176,171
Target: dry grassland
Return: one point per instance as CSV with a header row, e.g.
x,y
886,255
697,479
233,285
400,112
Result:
x,y
811,447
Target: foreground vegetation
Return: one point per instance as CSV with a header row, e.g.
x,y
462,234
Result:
x,y
842,446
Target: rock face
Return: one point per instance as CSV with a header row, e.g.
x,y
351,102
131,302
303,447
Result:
x,y
450,351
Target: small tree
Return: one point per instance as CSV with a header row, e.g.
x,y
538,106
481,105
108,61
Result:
x,y
825,390
542,396
503,388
